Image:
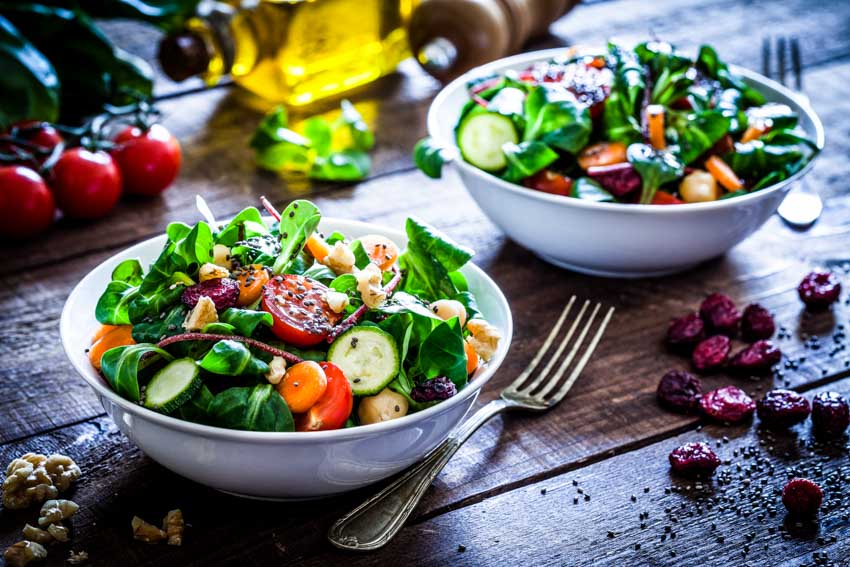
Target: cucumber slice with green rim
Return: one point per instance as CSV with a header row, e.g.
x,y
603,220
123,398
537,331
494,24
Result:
x,y
173,385
481,136
368,357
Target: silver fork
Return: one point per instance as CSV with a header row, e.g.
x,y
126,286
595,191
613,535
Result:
x,y
375,522
802,206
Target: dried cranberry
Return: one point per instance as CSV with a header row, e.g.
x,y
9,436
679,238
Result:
x,y
830,414
782,408
619,179
686,332
694,460
720,314
223,291
728,404
802,497
439,388
756,358
679,391
757,323
819,290
711,353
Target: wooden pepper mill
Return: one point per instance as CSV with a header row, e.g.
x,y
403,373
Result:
x,y
449,37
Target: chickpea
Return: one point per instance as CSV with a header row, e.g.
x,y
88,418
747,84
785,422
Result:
x,y
383,406
699,187
446,309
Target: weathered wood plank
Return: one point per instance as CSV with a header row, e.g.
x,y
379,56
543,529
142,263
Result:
x,y
630,510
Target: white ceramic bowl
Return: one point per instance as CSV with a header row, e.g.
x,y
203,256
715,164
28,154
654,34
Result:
x,y
278,465
611,239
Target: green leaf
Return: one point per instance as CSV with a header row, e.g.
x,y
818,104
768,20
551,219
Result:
x,y
121,367
197,409
361,257
443,354
279,148
698,132
508,101
346,165
246,321
429,157
231,358
589,190
129,271
557,118
774,115
257,408
655,168
247,224
361,137
526,159
113,307
756,159
620,124
29,85
318,131
157,328
219,328
427,261
297,222
165,14
196,248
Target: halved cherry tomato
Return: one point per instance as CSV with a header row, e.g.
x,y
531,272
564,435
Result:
x,y
381,250
297,304
333,408
303,385
26,204
665,198
149,160
251,280
549,182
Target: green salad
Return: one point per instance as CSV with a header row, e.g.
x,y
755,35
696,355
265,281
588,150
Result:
x,y
280,328
648,125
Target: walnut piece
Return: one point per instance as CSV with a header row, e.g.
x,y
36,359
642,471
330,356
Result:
x,y
34,478
173,526
146,532
38,535
484,339
59,532
277,370
336,300
23,553
55,511
77,558
340,259
201,315
210,271
369,286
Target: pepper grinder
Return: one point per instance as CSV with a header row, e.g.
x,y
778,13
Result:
x,y
449,37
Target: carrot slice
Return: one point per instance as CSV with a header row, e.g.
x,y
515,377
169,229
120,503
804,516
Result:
x,y
121,335
471,358
317,246
655,126
752,133
724,175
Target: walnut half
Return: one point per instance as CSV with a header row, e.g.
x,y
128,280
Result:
x,y
54,511
34,478
146,532
23,553
174,526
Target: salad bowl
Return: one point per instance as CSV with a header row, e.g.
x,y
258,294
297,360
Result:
x,y
614,239
278,465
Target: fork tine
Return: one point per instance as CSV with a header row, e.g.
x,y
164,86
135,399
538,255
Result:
x,y
780,51
765,56
559,395
542,350
796,63
553,381
554,358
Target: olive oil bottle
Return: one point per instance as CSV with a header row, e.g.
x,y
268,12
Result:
x,y
290,51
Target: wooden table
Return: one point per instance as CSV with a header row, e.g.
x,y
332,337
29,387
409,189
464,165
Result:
x,y
587,483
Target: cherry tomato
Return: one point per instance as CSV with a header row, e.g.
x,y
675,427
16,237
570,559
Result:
x,y
549,182
149,160
665,198
333,408
381,250
26,204
41,134
297,304
87,184
303,385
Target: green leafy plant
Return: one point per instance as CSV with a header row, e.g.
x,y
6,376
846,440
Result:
x,y
655,168
121,367
526,159
429,259
557,118
232,358
257,408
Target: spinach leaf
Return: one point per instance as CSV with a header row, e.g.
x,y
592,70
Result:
x,y
661,55
198,407
319,272
29,86
219,328
526,159
352,122
429,157
121,367
256,250
319,132
361,257
426,239
619,120
655,168
157,328
468,301
709,63
257,408
427,261
279,148
589,190
231,358
142,307
165,14
128,271
628,77
509,102
345,165
246,321
113,306
730,103
297,222
442,354
756,159
777,116
698,132
246,225
557,118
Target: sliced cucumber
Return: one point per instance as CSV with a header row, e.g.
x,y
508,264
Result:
x,y
173,385
481,136
368,357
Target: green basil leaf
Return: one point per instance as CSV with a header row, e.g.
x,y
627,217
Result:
x,y
121,367
231,358
257,408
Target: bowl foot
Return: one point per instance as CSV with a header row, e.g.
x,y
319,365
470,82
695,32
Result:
x,y
623,274
274,499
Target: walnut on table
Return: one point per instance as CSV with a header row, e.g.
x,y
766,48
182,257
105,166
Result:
x,y
34,478
54,511
38,535
146,532
173,526
23,553
77,558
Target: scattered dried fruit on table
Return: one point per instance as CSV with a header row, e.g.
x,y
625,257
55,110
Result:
x,y
830,414
146,532
756,359
684,333
23,553
782,408
720,314
802,497
819,290
439,388
711,353
34,478
757,323
729,404
173,526
679,391
694,460
54,511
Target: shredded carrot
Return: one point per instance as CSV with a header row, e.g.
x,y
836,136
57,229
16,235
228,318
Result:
x,y
655,126
724,175
752,133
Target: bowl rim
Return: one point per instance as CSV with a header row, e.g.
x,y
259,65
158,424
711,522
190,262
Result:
x,y
752,77
98,383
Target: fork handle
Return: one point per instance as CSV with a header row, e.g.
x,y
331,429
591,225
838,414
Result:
x,y
375,522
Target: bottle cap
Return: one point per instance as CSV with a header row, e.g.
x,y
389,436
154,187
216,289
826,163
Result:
x,y
183,54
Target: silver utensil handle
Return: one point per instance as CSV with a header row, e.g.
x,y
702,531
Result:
x,y
375,522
